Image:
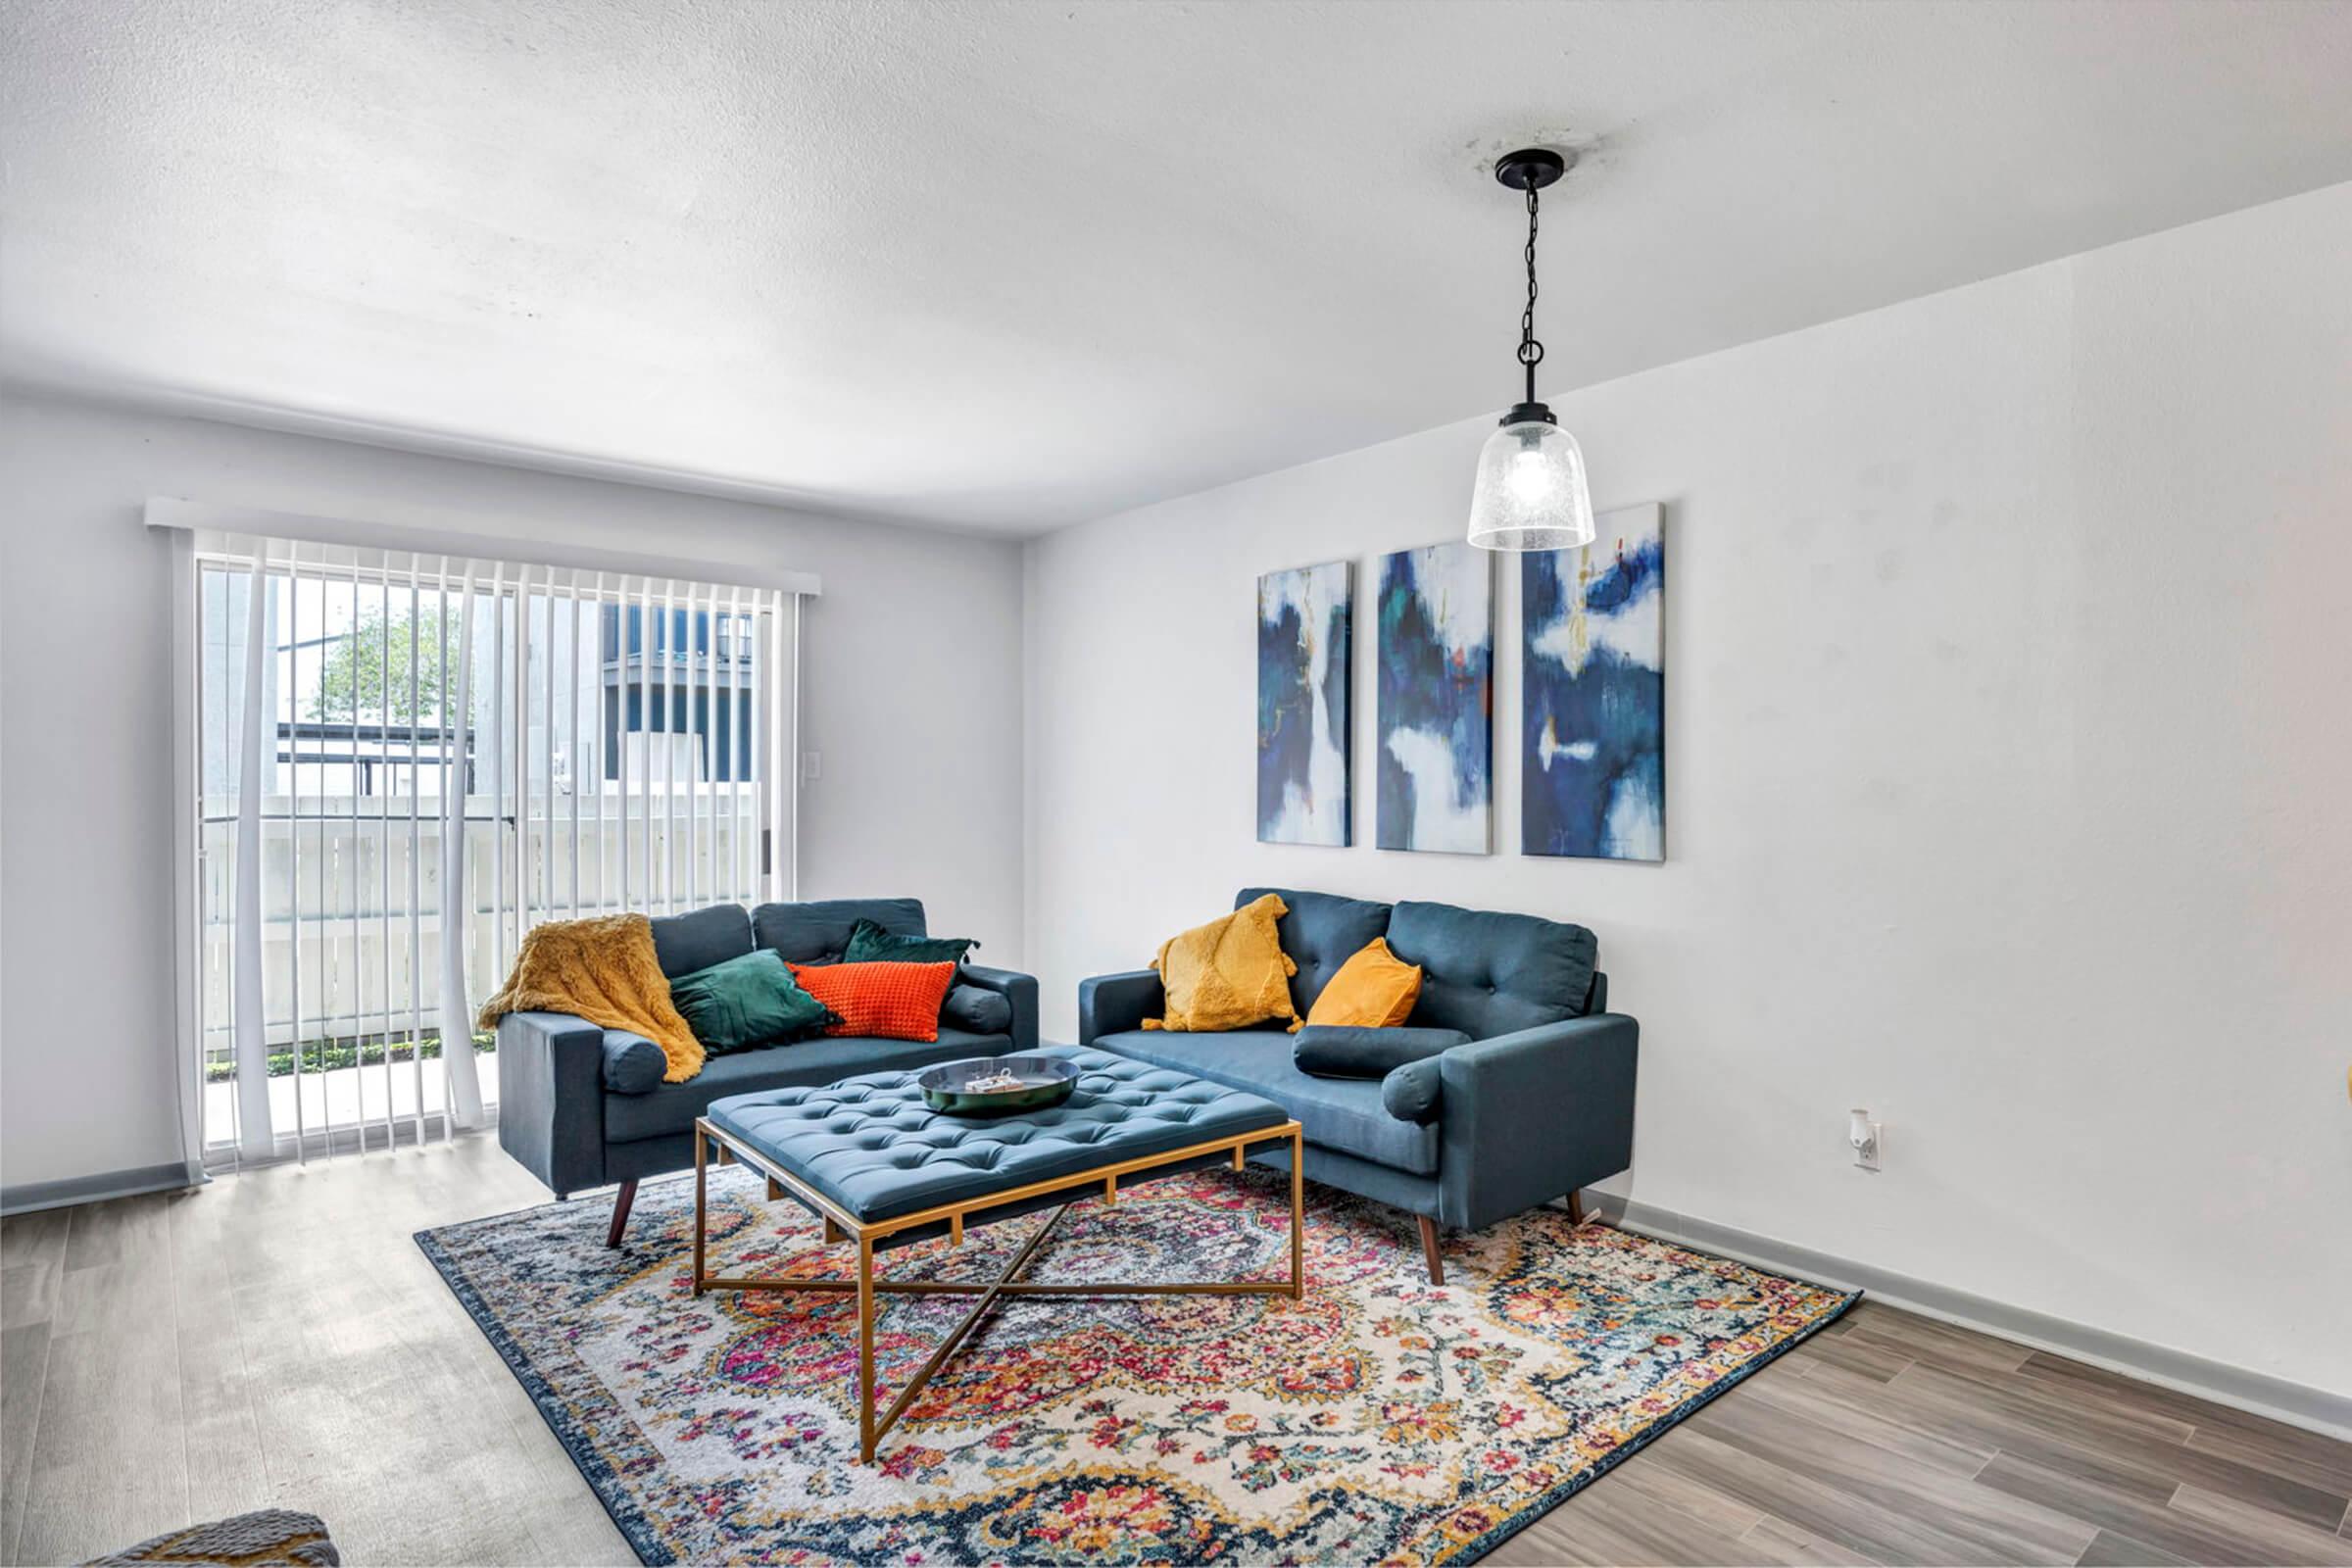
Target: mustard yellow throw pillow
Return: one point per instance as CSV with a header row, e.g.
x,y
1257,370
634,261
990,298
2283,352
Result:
x,y
1228,975
1373,990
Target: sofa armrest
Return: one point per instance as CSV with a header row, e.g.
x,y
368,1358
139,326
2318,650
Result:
x,y
1529,1116
1018,989
550,1097
1113,1004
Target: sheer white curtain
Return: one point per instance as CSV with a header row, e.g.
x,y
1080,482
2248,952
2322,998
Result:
x,y
403,760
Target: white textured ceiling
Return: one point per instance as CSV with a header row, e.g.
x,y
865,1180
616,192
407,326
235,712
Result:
x,y
1011,265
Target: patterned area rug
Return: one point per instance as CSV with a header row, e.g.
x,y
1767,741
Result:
x,y
1381,1420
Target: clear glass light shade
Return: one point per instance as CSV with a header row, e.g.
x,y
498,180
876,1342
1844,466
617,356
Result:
x,y
1531,490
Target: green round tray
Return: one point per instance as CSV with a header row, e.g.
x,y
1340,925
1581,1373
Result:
x,y
1044,1081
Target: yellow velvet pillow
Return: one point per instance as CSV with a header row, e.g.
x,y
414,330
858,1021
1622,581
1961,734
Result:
x,y
1373,990
1228,975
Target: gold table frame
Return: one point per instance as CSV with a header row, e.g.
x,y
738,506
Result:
x,y
842,1225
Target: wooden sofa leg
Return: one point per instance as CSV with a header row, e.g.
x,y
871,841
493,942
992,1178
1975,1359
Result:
x,y
620,1212
1576,1208
1428,1249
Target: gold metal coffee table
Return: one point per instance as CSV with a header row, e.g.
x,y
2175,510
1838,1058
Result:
x,y
833,1174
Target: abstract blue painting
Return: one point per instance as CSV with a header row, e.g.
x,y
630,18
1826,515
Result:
x,y
1437,714
1304,626
1593,776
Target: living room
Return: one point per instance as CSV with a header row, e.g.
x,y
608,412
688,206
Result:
x,y
1309,783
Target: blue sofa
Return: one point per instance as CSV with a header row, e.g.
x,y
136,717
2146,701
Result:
x,y
577,1115
1538,1106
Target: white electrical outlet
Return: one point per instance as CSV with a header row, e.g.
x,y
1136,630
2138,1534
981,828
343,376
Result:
x,y
812,767
1868,1138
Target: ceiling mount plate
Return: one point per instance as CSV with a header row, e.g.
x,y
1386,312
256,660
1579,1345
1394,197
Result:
x,y
1532,168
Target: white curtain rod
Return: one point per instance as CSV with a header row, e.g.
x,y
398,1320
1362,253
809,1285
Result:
x,y
196,516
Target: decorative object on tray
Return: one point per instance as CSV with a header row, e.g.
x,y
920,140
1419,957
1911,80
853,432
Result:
x,y
1380,1420
1433,765
1593,773
1303,642
990,1085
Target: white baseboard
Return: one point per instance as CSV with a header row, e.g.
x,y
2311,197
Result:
x,y
2240,1388
32,1196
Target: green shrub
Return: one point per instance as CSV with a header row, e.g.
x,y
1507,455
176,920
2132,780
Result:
x,y
328,1055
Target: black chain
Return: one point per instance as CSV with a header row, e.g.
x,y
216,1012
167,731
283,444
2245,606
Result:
x,y
1531,352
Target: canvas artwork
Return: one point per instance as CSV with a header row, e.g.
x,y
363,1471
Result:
x,y
1593,774
1303,630
1436,711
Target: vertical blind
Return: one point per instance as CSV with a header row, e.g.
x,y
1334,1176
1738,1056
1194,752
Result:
x,y
407,760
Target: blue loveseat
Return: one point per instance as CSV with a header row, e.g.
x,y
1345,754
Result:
x,y
1537,1105
577,1110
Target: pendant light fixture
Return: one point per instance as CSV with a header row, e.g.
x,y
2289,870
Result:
x,y
1530,492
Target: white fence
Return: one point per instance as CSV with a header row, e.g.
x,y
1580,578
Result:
x,y
367,971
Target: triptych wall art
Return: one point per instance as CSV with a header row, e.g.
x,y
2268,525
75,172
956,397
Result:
x,y
1592,682
1592,688
1304,670
1436,719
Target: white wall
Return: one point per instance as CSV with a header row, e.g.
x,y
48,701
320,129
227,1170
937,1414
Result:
x,y
2009,774
910,691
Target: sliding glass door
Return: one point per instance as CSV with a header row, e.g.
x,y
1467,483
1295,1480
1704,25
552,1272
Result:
x,y
404,762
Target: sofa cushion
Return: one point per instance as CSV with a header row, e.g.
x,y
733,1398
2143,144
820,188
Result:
x,y
1336,1051
747,1002
1343,1113
1321,932
1415,1091
818,932
880,1001
1488,973
977,1010
1373,990
685,942
870,944
633,1064
673,1107
1230,973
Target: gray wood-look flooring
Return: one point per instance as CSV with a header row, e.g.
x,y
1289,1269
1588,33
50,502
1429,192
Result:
x,y
277,1338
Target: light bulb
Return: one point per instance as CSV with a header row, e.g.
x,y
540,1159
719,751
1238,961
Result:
x,y
1531,478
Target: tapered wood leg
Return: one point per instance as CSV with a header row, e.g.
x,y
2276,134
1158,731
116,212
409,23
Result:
x,y
865,1351
1576,1208
834,1233
775,1189
620,1212
1429,1253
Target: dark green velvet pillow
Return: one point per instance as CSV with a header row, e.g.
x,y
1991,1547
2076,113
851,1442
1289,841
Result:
x,y
870,943
747,1002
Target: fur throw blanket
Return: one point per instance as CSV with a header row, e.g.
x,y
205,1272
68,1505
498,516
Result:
x,y
603,970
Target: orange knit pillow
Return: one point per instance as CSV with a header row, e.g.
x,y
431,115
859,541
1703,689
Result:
x,y
880,1000
1373,990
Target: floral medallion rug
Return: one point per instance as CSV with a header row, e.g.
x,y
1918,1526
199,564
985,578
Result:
x,y
1382,1419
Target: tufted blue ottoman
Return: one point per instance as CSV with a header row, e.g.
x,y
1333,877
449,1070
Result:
x,y
879,1167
